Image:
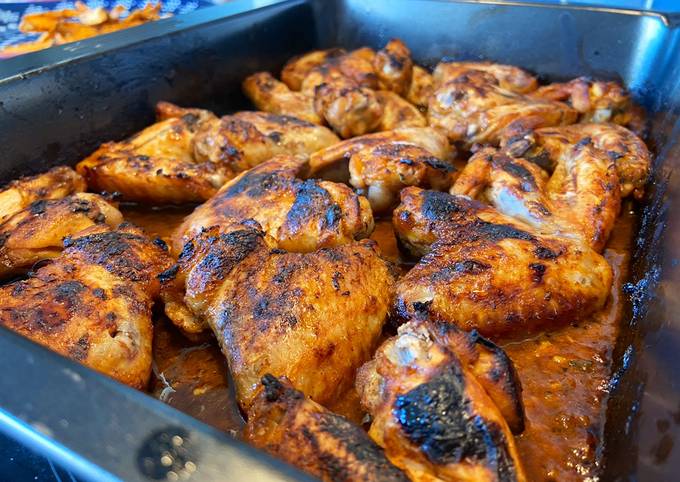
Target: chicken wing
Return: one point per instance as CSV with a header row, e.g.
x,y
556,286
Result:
x,y
432,416
487,271
157,165
581,199
246,139
301,216
93,302
56,183
398,112
394,67
381,171
596,101
37,232
270,95
508,77
290,426
473,109
311,317
331,158
628,152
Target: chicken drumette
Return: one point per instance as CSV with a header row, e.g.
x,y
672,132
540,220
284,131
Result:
x,y
311,317
432,411
487,271
289,425
93,302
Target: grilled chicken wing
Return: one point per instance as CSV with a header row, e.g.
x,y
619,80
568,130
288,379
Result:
x,y
473,109
421,87
331,158
432,416
486,271
56,183
398,112
246,139
394,67
270,95
93,302
581,199
37,232
313,318
596,101
157,165
300,215
508,77
290,426
628,152
383,170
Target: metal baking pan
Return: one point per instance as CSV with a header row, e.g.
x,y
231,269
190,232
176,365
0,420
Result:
x,y
56,106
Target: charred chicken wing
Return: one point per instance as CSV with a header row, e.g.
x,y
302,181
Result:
x,y
93,302
37,232
432,416
157,165
508,77
56,183
289,425
581,199
300,215
311,317
487,271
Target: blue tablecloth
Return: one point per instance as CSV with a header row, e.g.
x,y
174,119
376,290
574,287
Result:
x,y
11,12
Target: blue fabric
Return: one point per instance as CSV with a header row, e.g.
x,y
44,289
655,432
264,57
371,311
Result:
x,y
11,12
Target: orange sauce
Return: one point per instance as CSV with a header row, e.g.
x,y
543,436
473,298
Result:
x,y
564,373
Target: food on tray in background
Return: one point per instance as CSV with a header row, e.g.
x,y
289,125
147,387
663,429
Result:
x,y
59,27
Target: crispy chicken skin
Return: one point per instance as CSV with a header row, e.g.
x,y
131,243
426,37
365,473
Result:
x,y
428,138
293,427
300,215
628,152
398,112
596,101
246,139
37,232
508,77
421,87
473,109
56,183
93,302
381,171
432,416
271,95
581,199
157,165
394,67
486,271
311,317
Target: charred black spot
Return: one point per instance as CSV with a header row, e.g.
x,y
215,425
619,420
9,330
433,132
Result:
x,y
614,155
143,158
422,307
440,165
38,207
542,252
521,172
337,276
273,388
233,248
437,205
437,416
406,161
497,232
284,273
275,136
285,120
332,254
257,184
69,292
541,159
3,239
169,274
111,316
538,270
584,142
78,351
99,293
187,252
80,206
190,119
278,251
161,244
310,200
